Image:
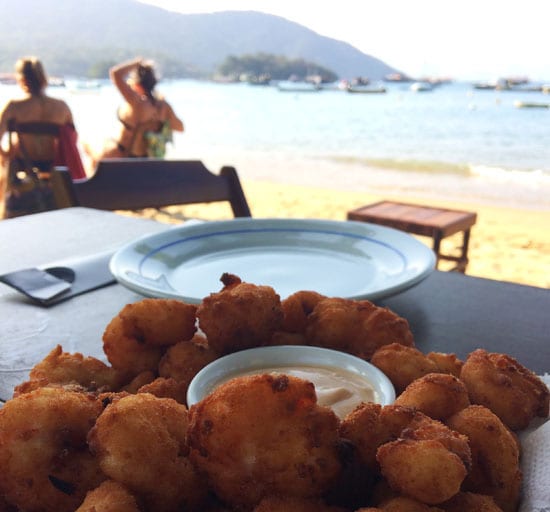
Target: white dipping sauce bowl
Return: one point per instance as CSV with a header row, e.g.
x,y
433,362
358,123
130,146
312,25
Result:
x,y
257,359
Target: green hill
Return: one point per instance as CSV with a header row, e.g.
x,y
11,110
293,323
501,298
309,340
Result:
x,y
82,37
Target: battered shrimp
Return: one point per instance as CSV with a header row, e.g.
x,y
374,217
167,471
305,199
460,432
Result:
x,y
263,435
61,368
240,316
355,326
438,395
110,496
514,393
139,441
135,340
495,456
184,360
402,364
296,309
46,465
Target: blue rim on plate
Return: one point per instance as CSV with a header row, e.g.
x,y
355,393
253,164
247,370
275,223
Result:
x,y
335,258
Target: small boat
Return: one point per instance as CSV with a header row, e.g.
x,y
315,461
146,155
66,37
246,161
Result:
x,y
421,87
531,104
366,89
298,86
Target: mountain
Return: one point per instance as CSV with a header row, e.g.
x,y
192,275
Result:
x,y
75,37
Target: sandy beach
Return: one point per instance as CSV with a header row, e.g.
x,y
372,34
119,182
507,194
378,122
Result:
x,y
507,244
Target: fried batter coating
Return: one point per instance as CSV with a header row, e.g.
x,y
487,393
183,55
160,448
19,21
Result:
x,y
495,456
422,469
371,425
240,316
110,496
61,368
355,326
140,380
402,364
470,502
405,504
446,363
183,361
296,309
45,461
139,441
135,339
438,395
166,388
262,435
497,381
286,504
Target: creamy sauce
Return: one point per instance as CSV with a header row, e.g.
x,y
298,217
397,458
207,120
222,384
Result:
x,y
336,388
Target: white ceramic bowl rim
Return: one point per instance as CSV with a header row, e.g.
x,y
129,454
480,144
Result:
x,y
207,379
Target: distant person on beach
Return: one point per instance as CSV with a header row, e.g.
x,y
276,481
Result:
x,y
146,119
27,190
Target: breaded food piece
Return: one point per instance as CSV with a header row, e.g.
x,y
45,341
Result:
x,y
163,387
514,393
135,339
62,368
240,316
44,459
262,435
470,502
406,504
296,309
140,380
355,326
370,425
139,441
110,496
495,456
438,395
446,363
425,470
184,360
402,364
287,504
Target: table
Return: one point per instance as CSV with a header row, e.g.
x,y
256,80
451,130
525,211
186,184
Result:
x,y
447,312
437,223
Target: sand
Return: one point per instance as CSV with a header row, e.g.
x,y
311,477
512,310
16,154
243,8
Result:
x,y
506,244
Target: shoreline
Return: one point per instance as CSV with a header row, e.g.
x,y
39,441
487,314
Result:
x,y
506,244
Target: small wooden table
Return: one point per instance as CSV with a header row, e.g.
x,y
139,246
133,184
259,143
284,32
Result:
x,y
436,223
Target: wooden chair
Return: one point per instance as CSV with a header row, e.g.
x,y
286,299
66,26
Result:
x,y
137,183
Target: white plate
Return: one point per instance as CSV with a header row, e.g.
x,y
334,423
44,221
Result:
x,y
335,258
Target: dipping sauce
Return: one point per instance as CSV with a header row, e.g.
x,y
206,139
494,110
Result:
x,y
337,388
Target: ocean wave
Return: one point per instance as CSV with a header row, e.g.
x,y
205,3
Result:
x,y
533,177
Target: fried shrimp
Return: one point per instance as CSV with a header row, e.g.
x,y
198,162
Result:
x,y
495,456
438,395
110,496
183,361
135,340
240,316
45,461
296,309
514,393
423,469
470,502
405,504
402,364
61,368
139,441
263,435
355,326
285,504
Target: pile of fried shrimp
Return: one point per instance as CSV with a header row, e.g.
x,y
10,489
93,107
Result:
x,y
82,435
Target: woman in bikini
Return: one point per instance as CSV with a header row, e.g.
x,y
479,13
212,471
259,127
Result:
x,y
22,194
142,111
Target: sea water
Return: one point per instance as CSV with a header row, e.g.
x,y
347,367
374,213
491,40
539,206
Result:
x,y
454,142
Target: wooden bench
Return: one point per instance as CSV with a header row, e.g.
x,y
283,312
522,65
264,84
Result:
x,y
437,223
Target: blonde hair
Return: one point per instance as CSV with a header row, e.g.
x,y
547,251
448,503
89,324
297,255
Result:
x,y
32,73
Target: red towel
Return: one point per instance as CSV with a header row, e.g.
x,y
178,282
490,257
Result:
x,y
67,152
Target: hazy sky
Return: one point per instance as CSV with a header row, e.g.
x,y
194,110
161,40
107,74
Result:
x,y
467,39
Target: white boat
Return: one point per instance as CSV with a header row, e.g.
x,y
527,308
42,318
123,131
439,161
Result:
x,y
298,86
366,89
421,87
